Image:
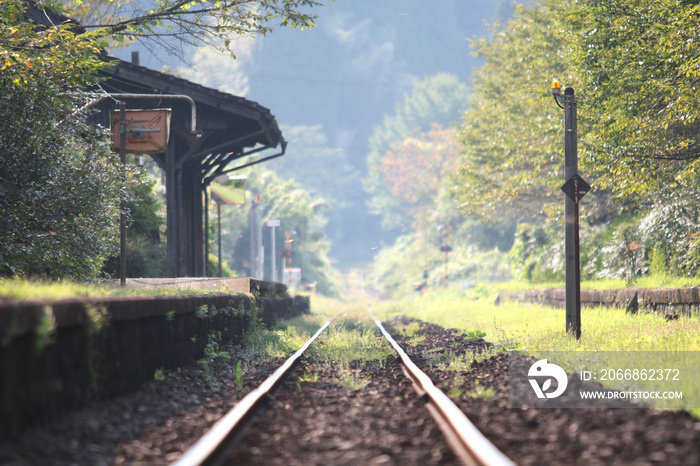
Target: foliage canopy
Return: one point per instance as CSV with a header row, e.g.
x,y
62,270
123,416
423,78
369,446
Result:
x,y
174,23
635,67
58,180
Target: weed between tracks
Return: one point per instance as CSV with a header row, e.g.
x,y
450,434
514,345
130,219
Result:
x,y
352,343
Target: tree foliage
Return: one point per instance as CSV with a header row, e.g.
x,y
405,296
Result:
x,y
413,169
146,256
512,163
55,56
58,189
298,211
635,67
174,23
639,64
635,70
58,180
437,100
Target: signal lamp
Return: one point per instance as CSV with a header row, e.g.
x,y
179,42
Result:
x,y
556,87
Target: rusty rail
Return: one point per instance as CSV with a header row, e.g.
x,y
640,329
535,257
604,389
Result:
x,y
467,442
213,447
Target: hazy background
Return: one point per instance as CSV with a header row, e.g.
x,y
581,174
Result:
x,y
332,86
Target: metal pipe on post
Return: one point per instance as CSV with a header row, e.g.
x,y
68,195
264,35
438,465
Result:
x,y
122,201
206,231
573,270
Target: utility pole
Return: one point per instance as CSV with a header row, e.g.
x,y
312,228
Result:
x,y
253,223
574,188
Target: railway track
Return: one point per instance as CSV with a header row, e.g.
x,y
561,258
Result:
x,y
315,419
468,445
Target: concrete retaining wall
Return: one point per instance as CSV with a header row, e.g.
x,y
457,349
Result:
x,y
670,302
56,356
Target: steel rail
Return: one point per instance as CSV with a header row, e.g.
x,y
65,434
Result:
x,y
468,443
213,447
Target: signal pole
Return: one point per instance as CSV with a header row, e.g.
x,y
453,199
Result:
x,y
574,188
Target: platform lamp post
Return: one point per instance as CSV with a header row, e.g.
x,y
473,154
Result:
x,y
574,188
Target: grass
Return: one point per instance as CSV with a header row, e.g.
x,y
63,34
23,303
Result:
x,y
533,328
349,344
47,290
480,392
281,342
19,288
353,337
653,281
539,330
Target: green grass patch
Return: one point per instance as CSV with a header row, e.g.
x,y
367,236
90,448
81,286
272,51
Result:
x,y
531,328
280,342
352,379
480,392
21,288
350,343
353,337
658,280
47,290
534,330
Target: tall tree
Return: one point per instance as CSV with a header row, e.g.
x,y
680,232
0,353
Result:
x,y
414,169
437,100
59,185
640,67
511,134
635,68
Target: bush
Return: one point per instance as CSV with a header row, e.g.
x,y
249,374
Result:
x,y
213,268
144,258
537,254
399,269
